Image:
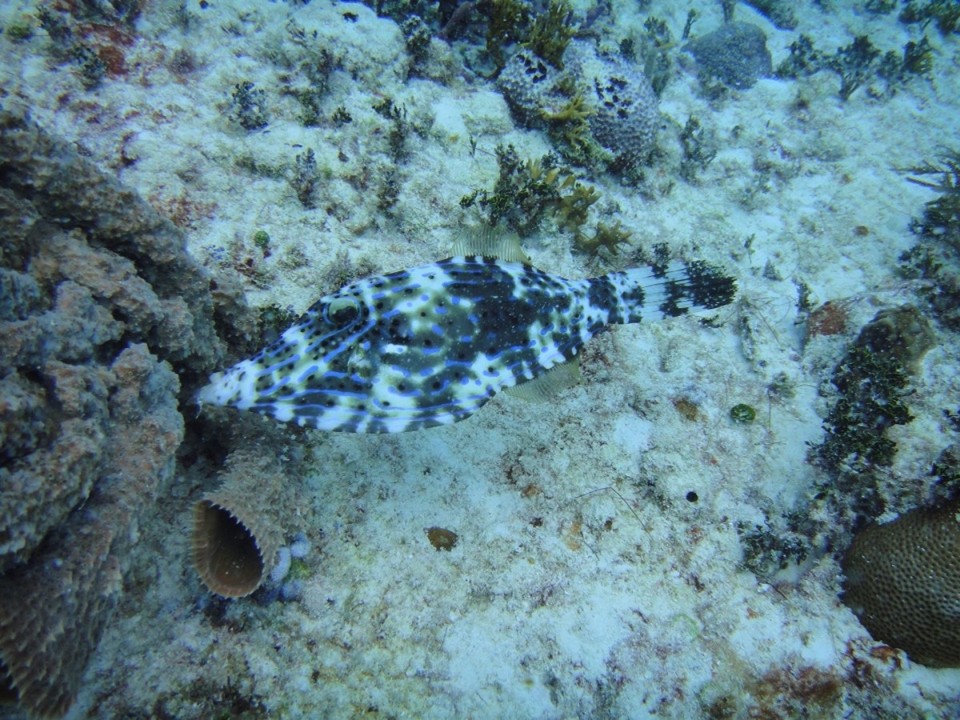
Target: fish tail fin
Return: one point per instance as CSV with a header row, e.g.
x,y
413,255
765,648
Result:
x,y
659,291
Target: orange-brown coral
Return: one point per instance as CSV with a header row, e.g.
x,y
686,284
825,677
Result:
x,y
53,608
97,300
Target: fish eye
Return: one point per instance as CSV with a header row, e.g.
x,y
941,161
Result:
x,y
341,311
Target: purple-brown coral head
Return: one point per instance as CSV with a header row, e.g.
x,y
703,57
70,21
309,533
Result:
x,y
903,582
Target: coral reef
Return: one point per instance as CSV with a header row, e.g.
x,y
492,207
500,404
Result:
x,y
804,59
551,32
941,216
860,62
248,106
54,608
781,12
99,300
903,581
527,192
606,238
598,571
945,14
508,21
936,256
872,382
735,53
775,546
699,146
854,63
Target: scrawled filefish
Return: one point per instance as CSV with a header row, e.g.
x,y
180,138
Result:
x,y
430,345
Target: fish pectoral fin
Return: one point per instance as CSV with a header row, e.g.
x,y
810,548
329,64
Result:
x,y
550,384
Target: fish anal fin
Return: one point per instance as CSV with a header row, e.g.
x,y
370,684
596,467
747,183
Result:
x,y
550,384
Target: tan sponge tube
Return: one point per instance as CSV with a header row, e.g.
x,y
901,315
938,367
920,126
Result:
x,y
237,528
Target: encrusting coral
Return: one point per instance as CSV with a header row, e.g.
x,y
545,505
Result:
x,y
99,300
54,607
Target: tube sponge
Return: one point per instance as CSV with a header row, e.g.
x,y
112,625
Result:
x,y
237,529
903,582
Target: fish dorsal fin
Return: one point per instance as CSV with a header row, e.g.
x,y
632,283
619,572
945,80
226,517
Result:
x,y
492,242
548,385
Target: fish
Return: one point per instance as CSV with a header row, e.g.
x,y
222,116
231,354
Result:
x,y
430,345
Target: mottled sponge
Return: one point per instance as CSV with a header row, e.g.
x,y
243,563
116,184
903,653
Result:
x,y
622,106
527,82
735,53
627,115
903,582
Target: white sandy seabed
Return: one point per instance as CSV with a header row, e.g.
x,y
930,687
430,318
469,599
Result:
x,y
585,582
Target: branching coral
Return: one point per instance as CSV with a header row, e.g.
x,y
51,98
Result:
x,y
606,237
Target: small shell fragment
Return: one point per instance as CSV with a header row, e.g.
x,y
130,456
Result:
x,y
441,538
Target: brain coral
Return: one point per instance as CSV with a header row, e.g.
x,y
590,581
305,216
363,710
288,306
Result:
x,y
903,582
